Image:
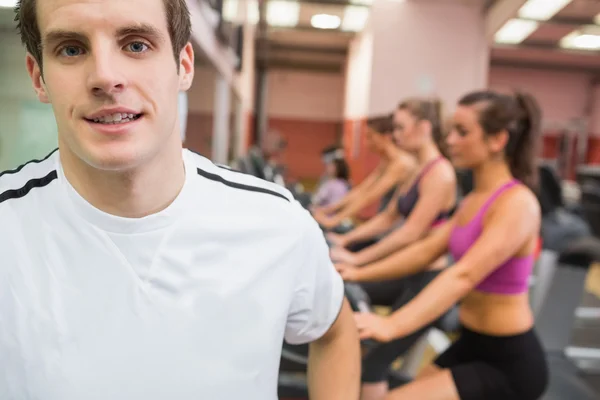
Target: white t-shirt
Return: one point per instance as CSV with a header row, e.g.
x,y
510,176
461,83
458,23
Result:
x,y
191,303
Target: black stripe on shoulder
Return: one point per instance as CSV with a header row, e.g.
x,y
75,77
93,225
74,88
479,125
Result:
x,y
32,184
235,185
19,168
226,168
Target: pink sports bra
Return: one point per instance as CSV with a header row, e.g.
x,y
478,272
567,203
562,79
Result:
x,y
512,277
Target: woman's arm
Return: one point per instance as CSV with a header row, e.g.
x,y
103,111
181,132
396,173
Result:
x,y
408,261
355,192
393,175
377,225
434,191
513,221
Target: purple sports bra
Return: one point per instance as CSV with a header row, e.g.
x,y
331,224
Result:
x,y
512,277
408,201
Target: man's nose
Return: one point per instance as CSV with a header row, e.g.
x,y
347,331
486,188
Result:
x,y
106,75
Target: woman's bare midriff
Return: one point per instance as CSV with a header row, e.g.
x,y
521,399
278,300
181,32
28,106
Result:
x,y
495,314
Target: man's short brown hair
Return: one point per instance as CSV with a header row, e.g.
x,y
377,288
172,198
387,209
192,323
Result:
x,y
177,14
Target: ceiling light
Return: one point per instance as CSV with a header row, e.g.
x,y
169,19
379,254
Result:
x,y
586,38
230,10
588,42
355,18
542,10
362,2
8,3
325,21
283,13
515,31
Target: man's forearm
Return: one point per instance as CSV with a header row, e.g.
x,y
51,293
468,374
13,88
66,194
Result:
x,y
334,362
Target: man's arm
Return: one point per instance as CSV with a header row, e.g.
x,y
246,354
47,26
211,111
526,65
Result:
x,y
334,361
319,314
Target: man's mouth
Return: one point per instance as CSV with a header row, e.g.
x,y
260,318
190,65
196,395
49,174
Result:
x,y
114,119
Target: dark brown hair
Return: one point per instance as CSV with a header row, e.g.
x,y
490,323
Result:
x,y
177,14
342,171
383,124
430,110
520,116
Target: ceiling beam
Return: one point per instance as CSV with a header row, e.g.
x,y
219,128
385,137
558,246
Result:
x,y
545,45
304,65
571,21
333,50
564,21
558,67
329,2
309,28
498,14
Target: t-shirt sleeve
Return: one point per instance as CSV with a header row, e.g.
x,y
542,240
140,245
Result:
x,y
319,289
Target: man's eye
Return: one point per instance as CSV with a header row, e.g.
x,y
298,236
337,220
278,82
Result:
x,y
71,51
137,47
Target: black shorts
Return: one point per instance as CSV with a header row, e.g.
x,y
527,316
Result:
x,y
395,293
496,367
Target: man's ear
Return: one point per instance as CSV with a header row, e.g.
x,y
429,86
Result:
x,y
35,73
186,67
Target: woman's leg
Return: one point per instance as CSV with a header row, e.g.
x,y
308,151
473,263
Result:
x,y
385,293
377,362
376,365
429,370
434,386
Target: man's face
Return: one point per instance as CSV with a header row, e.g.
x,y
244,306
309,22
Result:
x,y
112,80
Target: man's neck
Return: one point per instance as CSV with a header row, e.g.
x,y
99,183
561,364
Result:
x,y
137,193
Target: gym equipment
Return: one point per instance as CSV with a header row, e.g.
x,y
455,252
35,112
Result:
x,y
560,279
294,358
590,205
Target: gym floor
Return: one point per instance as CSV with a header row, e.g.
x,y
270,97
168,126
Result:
x,y
586,332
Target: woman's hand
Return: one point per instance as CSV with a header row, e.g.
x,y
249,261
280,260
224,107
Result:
x,y
341,255
337,240
373,326
325,220
347,271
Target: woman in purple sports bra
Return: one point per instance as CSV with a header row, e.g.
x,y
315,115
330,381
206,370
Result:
x,y
422,202
492,239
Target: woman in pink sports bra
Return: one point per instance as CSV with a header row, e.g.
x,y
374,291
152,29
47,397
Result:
x,y
492,239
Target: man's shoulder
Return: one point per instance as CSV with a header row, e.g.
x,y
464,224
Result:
x,y
18,183
238,183
236,193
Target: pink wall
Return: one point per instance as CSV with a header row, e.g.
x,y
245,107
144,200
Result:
x,y
306,108
305,95
426,48
562,95
357,85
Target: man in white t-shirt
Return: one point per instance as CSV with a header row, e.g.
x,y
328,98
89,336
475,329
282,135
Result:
x,y
132,269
